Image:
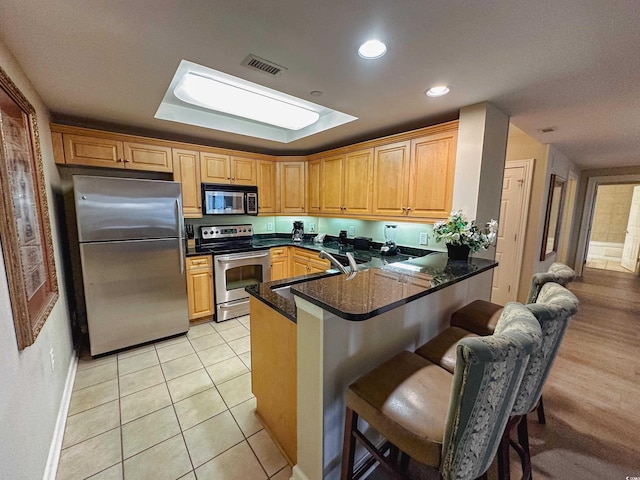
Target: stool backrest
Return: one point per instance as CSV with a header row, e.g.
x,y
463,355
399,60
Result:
x,y
553,309
557,272
486,381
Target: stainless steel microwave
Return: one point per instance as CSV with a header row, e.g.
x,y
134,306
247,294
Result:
x,y
220,199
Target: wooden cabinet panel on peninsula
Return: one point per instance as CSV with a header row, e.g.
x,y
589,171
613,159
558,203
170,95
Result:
x,y
186,170
292,187
113,153
304,262
200,286
219,168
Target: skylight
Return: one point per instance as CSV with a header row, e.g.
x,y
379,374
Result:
x,y
208,98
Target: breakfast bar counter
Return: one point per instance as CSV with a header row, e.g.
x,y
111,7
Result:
x,y
341,327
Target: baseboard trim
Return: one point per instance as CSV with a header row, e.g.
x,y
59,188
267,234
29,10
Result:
x,y
297,474
58,433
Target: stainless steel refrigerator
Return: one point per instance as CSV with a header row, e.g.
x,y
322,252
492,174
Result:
x,y
131,243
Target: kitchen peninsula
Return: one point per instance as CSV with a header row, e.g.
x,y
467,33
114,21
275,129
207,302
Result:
x,y
341,327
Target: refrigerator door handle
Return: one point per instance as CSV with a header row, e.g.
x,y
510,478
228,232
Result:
x,y
179,219
181,254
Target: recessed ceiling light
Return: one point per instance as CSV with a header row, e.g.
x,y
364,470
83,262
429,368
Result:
x,y
316,93
235,100
437,91
372,49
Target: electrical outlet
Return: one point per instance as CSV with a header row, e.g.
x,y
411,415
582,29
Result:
x,y
424,239
269,226
52,357
352,231
312,227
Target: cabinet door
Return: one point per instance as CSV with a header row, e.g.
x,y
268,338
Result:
x,y
299,266
200,287
358,173
431,175
279,263
215,168
332,191
266,174
313,190
150,157
243,171
186,170
292,185
390,169
93,152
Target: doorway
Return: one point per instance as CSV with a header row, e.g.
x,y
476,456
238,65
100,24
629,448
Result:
x,y
615,228
514,208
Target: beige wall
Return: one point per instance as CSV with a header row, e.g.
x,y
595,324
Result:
x,y
611,213
30,393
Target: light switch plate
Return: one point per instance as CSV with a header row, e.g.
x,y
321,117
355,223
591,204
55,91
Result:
x,y
269,226
424,239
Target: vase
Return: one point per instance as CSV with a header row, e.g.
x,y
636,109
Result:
x,y
458,252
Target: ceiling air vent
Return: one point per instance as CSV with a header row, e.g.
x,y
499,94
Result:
x,y
262,65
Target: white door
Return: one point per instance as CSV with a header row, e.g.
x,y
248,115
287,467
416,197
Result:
x,y
513,215
631,248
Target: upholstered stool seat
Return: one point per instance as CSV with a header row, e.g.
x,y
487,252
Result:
x,y
441,349
407,398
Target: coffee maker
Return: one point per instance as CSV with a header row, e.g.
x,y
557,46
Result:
x,y
297,234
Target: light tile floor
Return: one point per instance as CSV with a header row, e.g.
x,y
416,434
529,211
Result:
x,y
177,409
606,265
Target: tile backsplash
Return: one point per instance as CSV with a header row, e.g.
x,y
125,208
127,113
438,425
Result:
x,y
408,233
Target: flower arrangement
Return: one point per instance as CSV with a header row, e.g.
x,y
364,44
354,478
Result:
x,y
457,230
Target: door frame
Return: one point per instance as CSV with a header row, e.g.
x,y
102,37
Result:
x,y
528,165
567,221
587,213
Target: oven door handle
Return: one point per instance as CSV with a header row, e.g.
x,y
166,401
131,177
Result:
x,y
238,256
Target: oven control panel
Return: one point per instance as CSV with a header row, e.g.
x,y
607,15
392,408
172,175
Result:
x,y
218,232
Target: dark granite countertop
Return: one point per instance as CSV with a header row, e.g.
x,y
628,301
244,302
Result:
x,y
373,291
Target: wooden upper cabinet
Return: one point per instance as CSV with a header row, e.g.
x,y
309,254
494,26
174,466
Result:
x,y
93,152
314,168
143,156
220,168
243,171
390,169
292,187
215,168
358,176
431,175
106,152
266,174
332,185
186,170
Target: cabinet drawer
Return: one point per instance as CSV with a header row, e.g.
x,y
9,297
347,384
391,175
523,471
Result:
x,y
199,262
279,252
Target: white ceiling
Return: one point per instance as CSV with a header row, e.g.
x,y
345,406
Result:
x,y
572,64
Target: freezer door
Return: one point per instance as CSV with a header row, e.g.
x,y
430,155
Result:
x,y
111,208
135,291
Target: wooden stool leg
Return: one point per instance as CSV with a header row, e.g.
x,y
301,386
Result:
x,y
504,472
523,440
349,444
541,419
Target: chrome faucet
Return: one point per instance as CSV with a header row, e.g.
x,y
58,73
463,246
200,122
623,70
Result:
x,y
333,260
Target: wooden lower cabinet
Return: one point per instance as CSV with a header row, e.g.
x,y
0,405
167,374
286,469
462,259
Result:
x,y
274,375
279,263
200,286
304,262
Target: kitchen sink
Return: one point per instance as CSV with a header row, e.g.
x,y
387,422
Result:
x,y
284,291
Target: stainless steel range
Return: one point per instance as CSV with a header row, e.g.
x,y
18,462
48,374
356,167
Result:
x,y
236,265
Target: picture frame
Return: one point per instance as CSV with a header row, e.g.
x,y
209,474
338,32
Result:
x,y
552,222
25,229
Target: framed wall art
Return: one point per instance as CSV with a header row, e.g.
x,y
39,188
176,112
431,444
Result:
x,y
25,231
553,216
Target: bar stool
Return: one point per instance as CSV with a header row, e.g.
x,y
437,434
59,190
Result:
x,y
480,316
453,423
553,308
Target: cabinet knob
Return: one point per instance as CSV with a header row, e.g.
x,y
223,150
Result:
x,y
120,160
127,160
408,209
